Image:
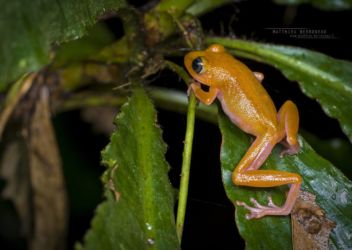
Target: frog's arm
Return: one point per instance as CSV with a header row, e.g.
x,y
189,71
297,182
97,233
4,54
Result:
x,y
205,97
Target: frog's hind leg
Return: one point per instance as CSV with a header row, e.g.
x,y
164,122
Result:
x,y
247,173
288,122
257,210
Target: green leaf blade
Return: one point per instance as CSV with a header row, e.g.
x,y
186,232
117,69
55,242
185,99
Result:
x,y
258,234
29,28
138,213
332,189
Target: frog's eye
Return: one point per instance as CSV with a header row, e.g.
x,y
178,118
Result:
x,y
197,65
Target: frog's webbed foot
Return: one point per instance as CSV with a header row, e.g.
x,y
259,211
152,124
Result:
x,y
258,211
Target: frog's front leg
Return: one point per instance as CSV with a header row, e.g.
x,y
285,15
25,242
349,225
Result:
x,y
206,97
247,174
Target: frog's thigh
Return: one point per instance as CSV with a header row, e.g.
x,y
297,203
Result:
x,y
254,157
289,120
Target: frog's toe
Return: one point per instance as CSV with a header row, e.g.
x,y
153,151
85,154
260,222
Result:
x,y
255,212
258,211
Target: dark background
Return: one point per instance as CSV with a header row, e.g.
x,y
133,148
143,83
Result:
x,y
210,216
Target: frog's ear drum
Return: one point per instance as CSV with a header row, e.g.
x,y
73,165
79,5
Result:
x,y
217,48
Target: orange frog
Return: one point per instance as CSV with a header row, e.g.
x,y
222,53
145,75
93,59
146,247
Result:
x,y
248,105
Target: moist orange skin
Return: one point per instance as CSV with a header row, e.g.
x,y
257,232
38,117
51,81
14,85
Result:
x,y
248,105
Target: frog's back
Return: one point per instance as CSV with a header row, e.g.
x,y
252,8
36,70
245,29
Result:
x,y
246,101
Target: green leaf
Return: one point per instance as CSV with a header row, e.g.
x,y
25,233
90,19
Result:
x,y
138,212
322,4
332,189
29,28
199,8
336,150
320,77
96,38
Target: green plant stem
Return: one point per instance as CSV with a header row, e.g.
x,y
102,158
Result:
x,y
199,8
176,8
187,151
178,70
167,99
186,164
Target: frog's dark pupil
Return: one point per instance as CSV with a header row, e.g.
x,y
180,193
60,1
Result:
x,y
197,65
